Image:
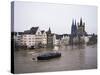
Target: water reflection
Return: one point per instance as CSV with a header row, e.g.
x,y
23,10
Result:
x,y
73,58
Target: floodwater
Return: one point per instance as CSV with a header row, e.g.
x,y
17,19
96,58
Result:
x,y
73,58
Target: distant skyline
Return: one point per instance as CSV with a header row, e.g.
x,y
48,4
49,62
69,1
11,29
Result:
x,y
56,16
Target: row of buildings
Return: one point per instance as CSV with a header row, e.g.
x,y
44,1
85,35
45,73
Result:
x,y
41,38
37,38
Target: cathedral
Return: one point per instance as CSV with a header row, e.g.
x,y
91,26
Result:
x,y
77,32
81,28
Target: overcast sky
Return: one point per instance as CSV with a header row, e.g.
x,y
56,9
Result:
x,y
56,16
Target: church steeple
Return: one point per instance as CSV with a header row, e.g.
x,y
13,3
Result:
x,y
81,21
73,22
74,28
49,31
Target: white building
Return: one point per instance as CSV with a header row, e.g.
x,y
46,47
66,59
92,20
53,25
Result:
x,y
44,38
75,40
27,40
65,39
87,39
60,39
38,37
32,37
56,40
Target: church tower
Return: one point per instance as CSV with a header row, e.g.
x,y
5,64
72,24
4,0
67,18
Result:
x,y
49,39
74,32
81,28
74,29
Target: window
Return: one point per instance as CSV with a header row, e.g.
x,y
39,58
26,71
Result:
x,y
24,35
38,33
29,41
29,38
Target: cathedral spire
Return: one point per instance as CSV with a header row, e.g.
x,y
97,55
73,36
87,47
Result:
x,y
75,29
72,27
81,21
73,22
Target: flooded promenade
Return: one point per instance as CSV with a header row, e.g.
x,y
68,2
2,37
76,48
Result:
x,y
73,58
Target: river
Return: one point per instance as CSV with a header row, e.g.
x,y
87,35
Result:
x,y
72,58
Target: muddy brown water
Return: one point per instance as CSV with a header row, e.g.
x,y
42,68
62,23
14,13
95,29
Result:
x,y
72,58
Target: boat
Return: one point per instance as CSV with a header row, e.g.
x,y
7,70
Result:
x,y
49,55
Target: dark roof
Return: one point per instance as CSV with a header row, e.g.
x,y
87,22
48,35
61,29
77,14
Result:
x,y
31,31
49,31
59,36
27,32
65,34
15,33
20,33
42,31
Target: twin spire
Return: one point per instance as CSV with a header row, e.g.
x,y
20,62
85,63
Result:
x,y
73,22
75,29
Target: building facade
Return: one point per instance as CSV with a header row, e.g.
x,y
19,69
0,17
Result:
x,y
65,39
44,38
81,28
30,38
77,32
49,39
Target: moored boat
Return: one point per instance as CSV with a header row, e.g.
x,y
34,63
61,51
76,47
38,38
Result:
x,y
49,55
